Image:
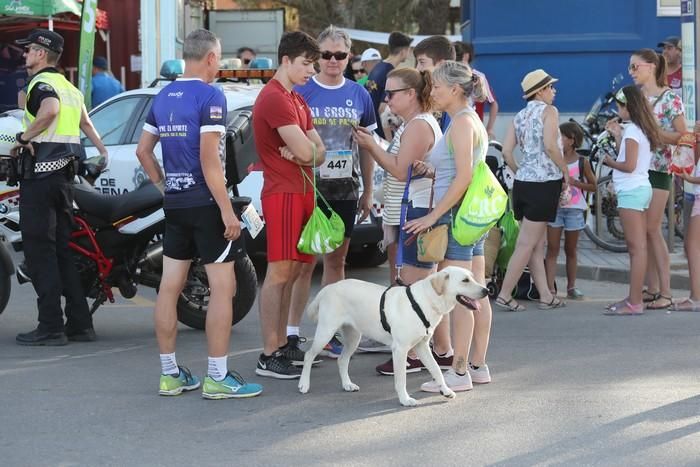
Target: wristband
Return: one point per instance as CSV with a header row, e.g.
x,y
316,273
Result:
x,y
19,139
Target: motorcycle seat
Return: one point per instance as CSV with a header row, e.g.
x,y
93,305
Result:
x,y
114,208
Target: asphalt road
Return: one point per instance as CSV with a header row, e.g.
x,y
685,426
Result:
x,y
570,387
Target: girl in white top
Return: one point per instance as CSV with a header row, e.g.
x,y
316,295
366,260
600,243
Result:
x,y
465,142
632,186
408,96
692,237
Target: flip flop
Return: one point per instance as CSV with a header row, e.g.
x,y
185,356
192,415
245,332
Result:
x,y
508,305
649,297
625,309
687,304
555,303
653,306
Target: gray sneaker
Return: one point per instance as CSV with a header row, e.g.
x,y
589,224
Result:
x,y
370,345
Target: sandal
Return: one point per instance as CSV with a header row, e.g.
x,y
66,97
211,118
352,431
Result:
x,y
625,308
574,294
508,305
555,303
617,304
687,304
650,297
654,306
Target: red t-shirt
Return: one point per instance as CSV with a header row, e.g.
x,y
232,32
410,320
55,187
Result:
x,y
276,107
675,79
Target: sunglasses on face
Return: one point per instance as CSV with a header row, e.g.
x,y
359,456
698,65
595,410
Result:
x,y
358,71
337,55
246,61
390,93
635,66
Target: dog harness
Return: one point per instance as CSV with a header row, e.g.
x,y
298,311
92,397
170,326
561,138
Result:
x,y
414,305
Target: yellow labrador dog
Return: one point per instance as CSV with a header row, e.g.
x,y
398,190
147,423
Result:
x,y
403,317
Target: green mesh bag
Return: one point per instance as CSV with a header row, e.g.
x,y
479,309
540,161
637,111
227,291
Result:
x,y
321,234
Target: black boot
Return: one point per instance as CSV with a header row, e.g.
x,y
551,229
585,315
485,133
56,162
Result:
x,y
37,337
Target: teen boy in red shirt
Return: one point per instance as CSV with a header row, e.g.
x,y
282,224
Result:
x,y
287,144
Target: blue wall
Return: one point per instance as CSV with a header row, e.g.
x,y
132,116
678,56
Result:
x,y
584,43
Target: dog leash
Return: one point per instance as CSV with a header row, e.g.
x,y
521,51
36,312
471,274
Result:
x,y
399,264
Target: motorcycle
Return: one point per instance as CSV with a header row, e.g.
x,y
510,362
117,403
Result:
x,y
118,242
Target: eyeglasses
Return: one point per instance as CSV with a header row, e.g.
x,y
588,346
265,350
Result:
x,y
337,55
358,71
635,66
390,93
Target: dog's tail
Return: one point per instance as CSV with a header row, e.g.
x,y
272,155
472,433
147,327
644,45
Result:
x,y
313,307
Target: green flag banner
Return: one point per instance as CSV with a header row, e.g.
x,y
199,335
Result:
x,y
38,7
87,47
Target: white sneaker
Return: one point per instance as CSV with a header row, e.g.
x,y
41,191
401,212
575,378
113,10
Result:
x,y
370,345
480,375
454,381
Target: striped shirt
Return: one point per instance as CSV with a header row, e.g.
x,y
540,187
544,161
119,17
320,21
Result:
x,y
419,190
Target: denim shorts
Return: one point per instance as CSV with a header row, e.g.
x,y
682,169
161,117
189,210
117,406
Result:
x,y
570,218
455,251
637,199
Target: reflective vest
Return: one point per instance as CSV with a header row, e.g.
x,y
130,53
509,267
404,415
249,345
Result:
x,y
62,138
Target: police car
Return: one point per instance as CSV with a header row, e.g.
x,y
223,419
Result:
x,y
120,120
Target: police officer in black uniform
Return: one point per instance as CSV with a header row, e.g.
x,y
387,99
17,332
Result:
x,y
49,148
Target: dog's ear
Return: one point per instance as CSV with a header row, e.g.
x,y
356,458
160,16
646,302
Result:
x,y
439,281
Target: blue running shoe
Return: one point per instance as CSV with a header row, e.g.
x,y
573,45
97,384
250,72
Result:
x,y
174,385
333,348
231,387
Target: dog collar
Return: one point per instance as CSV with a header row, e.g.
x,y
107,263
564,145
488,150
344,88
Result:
x,y
414,305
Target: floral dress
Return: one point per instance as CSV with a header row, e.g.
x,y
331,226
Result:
x,y
666,109
535,165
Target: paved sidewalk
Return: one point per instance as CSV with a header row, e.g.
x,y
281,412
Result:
x,y
595,263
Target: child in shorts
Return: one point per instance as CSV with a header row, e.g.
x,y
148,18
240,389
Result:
x,y
692,238
635,143
570,214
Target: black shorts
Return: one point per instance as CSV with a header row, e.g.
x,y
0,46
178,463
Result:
x,y
199,232
536,201
346,209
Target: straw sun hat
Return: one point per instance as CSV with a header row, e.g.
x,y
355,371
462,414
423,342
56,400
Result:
x,y
535,81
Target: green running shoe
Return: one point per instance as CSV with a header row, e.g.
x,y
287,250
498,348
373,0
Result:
x,y
231,387
175,385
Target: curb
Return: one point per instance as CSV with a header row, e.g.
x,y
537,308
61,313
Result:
x,y
598,273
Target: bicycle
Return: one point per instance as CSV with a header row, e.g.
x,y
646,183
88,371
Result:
x,y
603,225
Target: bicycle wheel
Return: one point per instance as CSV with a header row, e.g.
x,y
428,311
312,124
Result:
x,y
603,224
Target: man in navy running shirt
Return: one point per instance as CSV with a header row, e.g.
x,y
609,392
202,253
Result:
x,y
188,116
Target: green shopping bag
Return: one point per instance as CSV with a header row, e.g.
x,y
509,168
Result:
x,y
321,234
482,206
510,228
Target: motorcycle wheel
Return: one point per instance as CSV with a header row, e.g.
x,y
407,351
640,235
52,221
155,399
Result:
x,y
5,285
194,300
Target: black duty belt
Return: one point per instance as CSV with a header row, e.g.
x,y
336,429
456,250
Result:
x,y
414,305
52,166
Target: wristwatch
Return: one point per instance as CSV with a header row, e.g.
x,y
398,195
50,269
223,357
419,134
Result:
x,y
19,139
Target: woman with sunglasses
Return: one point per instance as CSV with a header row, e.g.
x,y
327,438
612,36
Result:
x,y
648,70
450,163
408,96
540,176
640,136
